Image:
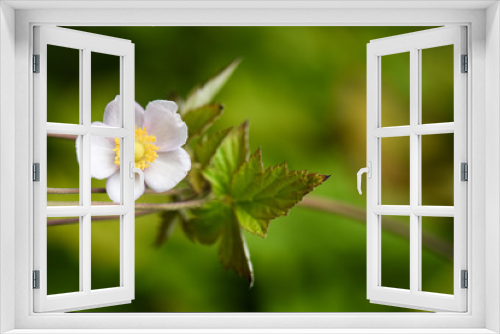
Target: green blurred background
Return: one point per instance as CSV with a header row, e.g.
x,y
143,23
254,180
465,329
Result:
x,y
304,91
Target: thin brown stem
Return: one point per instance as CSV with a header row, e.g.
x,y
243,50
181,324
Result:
x,y
66,221
75,203
61,136
172,206
394,226
70,191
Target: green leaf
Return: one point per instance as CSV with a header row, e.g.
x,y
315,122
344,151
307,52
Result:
x,y
247,195
205,148
233,250
260,195
167,227
229,156
198,120
216,221
207,224
247,174
186,226
203,151
200,96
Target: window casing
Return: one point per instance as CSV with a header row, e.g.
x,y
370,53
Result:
x,y
475,318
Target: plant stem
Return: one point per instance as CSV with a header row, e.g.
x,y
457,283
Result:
x,y
69,191
66,221
61,136
172,206
394,226
75,203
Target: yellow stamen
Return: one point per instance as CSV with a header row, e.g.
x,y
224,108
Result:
x,y
144,150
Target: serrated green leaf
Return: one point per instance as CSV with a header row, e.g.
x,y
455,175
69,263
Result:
x,y
229,156
217,221
205,148
251,223
233,250
260,195
246,174
199,120
204,94
207,224
203,151
167,227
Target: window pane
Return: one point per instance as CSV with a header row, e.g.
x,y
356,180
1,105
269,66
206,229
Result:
x,y
395,250
63,171
395,170
437,270
437,169
437,84
105,156
105,252
63,85
63,255
395,94
105,87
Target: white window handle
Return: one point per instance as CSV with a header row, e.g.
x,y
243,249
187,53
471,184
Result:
x,y
368,171
139,171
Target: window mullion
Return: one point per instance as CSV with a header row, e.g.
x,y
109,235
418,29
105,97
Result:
x,y
415,267
83,144
127,221
85,181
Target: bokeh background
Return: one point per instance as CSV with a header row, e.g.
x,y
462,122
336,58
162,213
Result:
x,y
304,91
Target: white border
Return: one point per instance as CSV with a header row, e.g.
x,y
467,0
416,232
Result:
x,y
492,160
309,322
7,166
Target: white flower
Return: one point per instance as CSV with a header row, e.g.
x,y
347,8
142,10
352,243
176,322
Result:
x,y
159,135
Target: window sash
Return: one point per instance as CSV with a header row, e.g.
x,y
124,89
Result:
x,y
413,43
86,43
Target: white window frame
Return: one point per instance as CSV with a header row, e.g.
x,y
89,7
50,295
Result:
x,y
86,44
414,44
483,20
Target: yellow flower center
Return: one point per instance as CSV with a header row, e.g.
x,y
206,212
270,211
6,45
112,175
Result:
x,y
144,150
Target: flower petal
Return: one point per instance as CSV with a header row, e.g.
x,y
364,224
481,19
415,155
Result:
x,y
139,115
78,144
138,187
167,170
112,114
162,121
98,124
102,157
113,188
